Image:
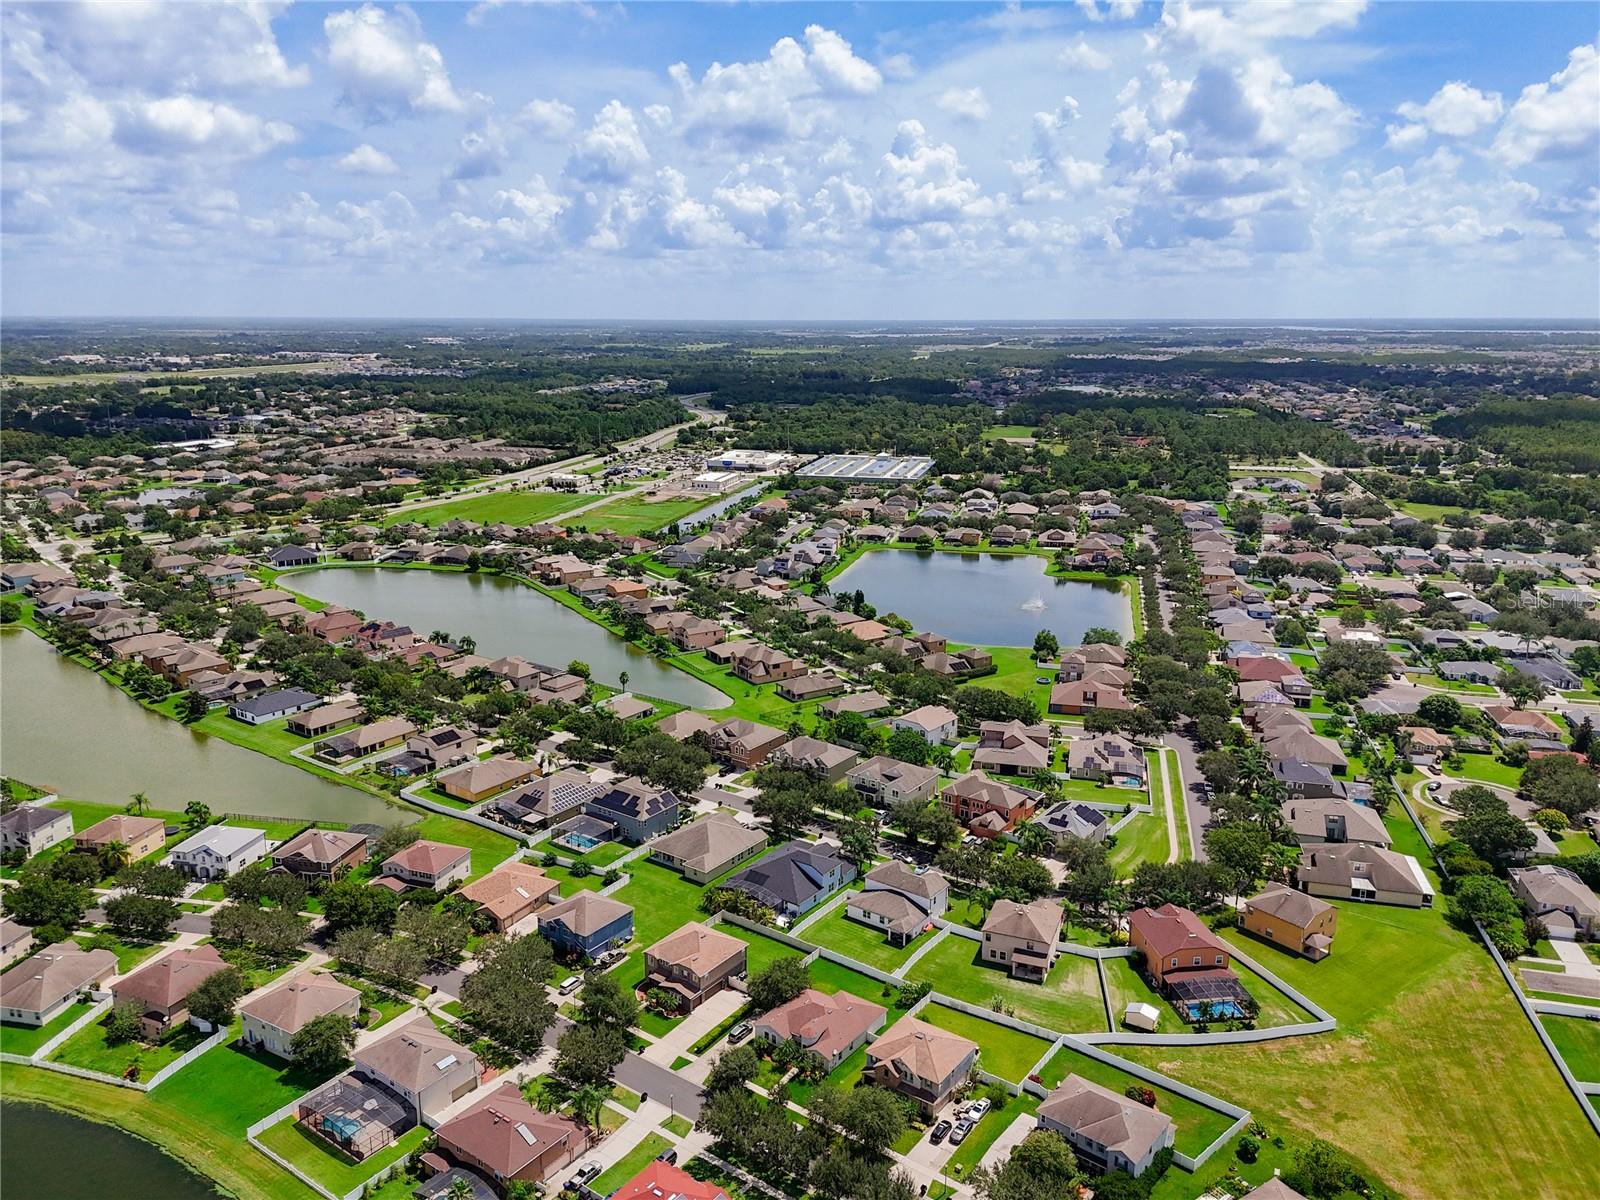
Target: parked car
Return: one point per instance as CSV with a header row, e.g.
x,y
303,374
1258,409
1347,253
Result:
x,y
959,1133
739,1032
939,1133
1434,785
668,1156
570,984
583,1174
978,1109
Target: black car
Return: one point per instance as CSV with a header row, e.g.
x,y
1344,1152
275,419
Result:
x,y
668,1156
939,1132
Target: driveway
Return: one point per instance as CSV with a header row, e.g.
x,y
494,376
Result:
x,y
1576,960
665,1050
1193,800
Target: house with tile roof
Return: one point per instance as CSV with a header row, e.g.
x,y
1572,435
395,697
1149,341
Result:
x,y
511,892
1023,938
830,1027
271,1019
920,1061
693,964
1299,923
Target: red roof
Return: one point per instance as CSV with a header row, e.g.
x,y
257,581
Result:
x,y
663,1181
1171,930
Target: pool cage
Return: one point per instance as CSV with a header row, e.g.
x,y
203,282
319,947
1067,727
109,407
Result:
x,y
356,1115
1218,997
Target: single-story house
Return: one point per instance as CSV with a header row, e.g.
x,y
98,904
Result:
x,y
269,706
511,892
708,847
39,989
830,1027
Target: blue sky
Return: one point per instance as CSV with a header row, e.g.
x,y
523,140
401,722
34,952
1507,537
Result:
x,y
1098,159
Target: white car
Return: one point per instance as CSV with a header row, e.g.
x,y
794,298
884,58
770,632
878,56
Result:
x,y
978,1109
569,985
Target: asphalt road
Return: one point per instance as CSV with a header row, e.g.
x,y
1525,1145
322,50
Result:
x,y
1194,805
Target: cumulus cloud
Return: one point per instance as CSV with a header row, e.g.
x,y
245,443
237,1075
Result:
x,y
185,124
611,150
1082,55
1237,25
1558,119
385,65
1117,10
777,98
367,159
965,104
550,119
483,153
1456,110
922,180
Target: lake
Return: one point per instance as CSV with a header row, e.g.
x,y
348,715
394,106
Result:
x,y
69,730
504,617
985,599
47,1154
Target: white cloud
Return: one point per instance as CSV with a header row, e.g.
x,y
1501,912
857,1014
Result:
x,y
550,119
385,66
1455,110
1558,119
1052,172
221,46
367,159
1116,10
923,181
1236,25
611,150
483,153
966,104
183,124
777,98
1081,54
1404,138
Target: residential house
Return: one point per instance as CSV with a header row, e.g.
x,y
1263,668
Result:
x,y
1353,871
506,1139
1023,937
708,847
1521,722
882,781
810,686
324,719
1319,819
1073,819
162,989
639,810
899,901
1300,743
986,806
292,556
478,780
744,744
933,722
16,940
830,1027
755,663
920,1061
33,828
320,855
39,989
868,704
542,802
586,924
1012,748
424,1067
826,760
1076,697
1299,923
681,726
664,1181
1107,1130
269,706
693,964
218,851
1470,671
511,892
1175,943
272,1018
425,864
1106,758
139,837
794,879
1557,897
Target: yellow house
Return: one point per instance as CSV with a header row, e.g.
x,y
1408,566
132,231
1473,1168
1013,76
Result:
x,y
1299,923
142,836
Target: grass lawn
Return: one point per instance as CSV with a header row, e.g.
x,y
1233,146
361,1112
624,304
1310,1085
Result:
x,y
1068,1000
662,901
993,1123
1180,809
230,1163
845,1076
656,1024
630,1164
572,884
1126,986
1142,840
995,432
26,1039
512,508
1485,769
230,1088
489,849
1454,685
639,514
1198,1126
602,856
1411,1083
1008,1053
763,951
88,1049
327,1165
1578,1039
839,932
832,977
681,1126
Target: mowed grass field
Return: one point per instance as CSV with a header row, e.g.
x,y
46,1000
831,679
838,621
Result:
x,y
1578,1039
1415,1081
640,514
1068,1001
512,508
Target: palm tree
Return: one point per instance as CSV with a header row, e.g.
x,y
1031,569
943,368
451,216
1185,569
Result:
x,y
114,856
459,1189
1034,840
622,678
138,804
1071,911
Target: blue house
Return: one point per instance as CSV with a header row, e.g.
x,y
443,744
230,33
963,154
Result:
x,y
587,924
638,810
794,879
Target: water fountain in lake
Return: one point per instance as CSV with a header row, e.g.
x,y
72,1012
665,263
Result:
x,y
1034,604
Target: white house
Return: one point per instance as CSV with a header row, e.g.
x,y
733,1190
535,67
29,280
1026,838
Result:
x,y
934,722
219,851
273,1018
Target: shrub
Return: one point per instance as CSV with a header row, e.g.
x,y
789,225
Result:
x,y
1142,1094
1249,1149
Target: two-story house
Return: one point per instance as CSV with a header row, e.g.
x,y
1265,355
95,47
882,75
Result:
x,y
33,828
218,851
320,854
1299,923
425,864
1023,938
162,989
987,807
899,901
1107,1130
882,781
639,810
272,1019
585,924
920,1061
425,1068
830,1027
693,964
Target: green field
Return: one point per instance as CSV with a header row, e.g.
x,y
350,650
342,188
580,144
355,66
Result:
x,y
326,1164
26,1039
631,1163
1006,1052
231,1088
89,1049
1578,1039
637,514
1142,840
1068,1001
494,508
852,938
763,951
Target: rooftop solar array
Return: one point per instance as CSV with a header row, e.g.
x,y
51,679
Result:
x,y
867,468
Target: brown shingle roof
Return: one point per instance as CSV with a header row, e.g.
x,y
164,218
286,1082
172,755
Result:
x,y
290,1005
169,980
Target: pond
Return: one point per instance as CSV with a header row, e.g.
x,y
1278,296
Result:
x,y
706,515
986,599
70,731
504,617
52,1155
